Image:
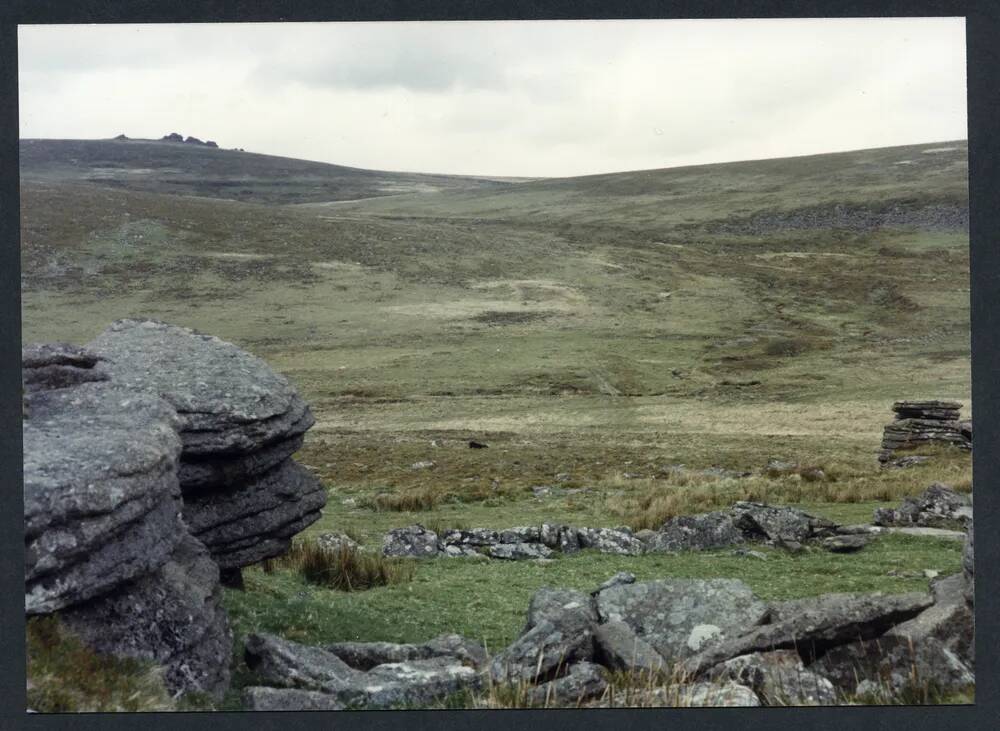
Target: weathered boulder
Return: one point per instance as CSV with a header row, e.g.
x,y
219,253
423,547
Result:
x,y
417,682
938,507
413,541
779,678
677,617
618,647
48,366
583,681
558,632
172,617
697,532
949,620
542,651
894,662
610,540
561,607
779,523
257,521
811,626
101,499
331,541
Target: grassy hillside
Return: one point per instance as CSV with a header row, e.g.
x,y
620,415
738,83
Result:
x,y
156,166
592,331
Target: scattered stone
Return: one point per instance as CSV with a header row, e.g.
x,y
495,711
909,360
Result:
x,y
583,681
697,532
261,698
414,541
904,462
749,554
938,507
473,444
561,607
619,579
619,648
774,523
779,678
813,625
425,465
777,468
416,682
610,540
367,655
336,542
519,551
846,543
678,616
288,664
541,651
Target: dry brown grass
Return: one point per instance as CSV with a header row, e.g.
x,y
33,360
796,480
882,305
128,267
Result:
x,y
343,569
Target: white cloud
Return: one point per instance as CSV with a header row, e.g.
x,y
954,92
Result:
x,y
510,98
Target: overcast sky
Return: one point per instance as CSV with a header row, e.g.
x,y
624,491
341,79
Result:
x,y
505,98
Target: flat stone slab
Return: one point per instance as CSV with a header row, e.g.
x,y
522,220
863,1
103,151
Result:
x,y
812,625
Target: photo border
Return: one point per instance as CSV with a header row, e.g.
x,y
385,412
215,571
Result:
x,y
983,77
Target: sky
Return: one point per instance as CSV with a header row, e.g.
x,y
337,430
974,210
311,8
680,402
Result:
x,y
511,98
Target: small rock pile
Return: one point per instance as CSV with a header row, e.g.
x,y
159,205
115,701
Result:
x,y
938,507
744,523
105,545
240,422
920,423
720,644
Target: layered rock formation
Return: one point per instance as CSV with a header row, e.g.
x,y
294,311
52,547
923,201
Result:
x,y
240,422
105,545
922,423
153,457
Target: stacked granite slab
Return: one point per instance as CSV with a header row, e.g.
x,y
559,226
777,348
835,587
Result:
x,y
105,545
240,422
46,366
922,423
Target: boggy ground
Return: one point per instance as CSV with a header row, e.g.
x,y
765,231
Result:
x,y
592,331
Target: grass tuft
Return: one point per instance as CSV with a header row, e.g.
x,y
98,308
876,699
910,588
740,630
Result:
x,y
343,569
